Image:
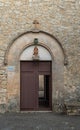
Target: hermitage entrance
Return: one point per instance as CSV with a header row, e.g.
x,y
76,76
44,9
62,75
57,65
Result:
x,y
35,85
35,71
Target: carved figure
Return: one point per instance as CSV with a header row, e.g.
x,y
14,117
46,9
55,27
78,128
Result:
x,y
35,51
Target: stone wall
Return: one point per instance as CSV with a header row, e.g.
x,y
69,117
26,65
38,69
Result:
x,y
60,18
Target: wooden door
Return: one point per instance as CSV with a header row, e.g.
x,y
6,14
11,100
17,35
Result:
x,y
29,86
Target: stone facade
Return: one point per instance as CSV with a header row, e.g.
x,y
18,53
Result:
x,y
56,17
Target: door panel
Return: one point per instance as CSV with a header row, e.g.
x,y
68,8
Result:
x,y
44,66
27,91
27,66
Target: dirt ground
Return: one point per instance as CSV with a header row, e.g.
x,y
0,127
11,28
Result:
x,y
38,121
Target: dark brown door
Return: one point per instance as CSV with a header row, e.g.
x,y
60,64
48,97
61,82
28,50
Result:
x,y
29,92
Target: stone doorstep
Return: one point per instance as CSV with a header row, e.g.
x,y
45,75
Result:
x,y
73,108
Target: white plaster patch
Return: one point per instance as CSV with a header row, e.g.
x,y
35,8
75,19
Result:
x,y
28,53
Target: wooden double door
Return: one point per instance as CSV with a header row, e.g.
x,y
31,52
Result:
x,y
35,85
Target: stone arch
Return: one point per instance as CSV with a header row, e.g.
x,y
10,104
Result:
x,y
25,33
12,59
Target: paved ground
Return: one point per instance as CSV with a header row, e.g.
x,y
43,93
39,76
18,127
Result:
x,y
38,121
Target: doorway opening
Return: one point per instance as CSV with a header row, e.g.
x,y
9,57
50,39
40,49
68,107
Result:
x,y
43,91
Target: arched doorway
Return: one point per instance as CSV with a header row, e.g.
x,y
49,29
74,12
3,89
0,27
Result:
x,y
13,57
35,79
